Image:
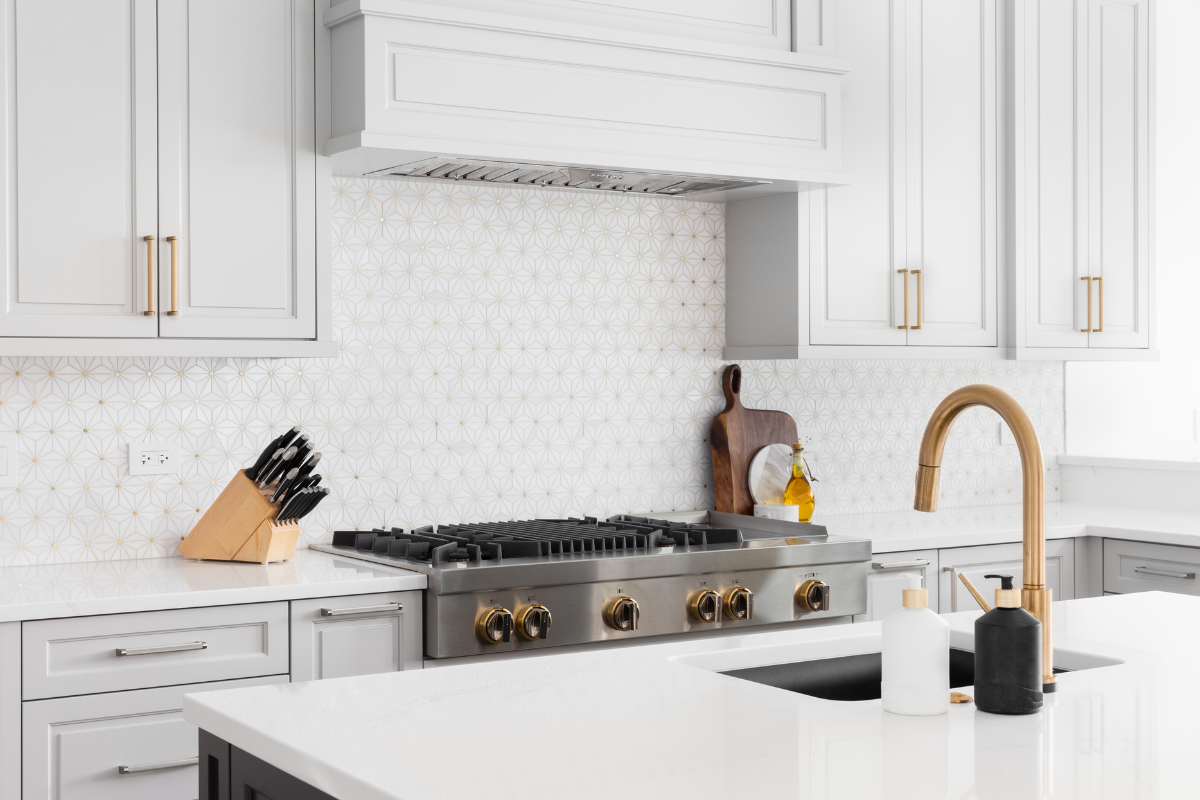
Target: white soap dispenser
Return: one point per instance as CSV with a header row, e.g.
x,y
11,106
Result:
x,y
916,659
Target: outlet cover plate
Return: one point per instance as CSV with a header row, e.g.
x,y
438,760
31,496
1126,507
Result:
x,y
153,458
808,436
9,470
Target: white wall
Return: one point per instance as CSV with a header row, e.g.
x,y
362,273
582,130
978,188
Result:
x,y
1149,409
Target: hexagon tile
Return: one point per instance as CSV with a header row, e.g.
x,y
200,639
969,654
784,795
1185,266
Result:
x,y
506,353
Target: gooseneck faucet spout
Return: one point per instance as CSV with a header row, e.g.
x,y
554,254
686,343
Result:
x,y
1035,597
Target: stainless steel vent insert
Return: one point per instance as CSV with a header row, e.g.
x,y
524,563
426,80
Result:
x,y
516,173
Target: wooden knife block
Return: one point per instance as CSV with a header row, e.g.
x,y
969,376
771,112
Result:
x,y
240,526
738,433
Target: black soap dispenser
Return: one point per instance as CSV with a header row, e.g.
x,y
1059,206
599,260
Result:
x,y
1008,655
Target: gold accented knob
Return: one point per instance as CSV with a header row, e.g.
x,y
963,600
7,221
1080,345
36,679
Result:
x,y
533,622
622,614
495,625
705,606
813,596
739,604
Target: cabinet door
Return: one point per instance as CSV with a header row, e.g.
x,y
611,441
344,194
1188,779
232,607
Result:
x,y
72,747
950,168
79,169
1001,559
1050,171
1119,169
238,168
336,637
1145,567
891,574
853,291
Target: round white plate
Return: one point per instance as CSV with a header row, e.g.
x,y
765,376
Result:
x,y
770,471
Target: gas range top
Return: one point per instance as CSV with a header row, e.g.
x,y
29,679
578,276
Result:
x,y
501,586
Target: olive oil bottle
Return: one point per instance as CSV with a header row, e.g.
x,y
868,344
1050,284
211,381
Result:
x,y
799,491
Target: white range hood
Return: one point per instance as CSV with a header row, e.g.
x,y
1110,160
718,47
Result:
x,y
422,89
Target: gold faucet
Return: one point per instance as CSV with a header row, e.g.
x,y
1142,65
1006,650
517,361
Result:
x,y
1035,597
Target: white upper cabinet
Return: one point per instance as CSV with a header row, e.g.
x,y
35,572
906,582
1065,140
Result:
x,y
1082,164
907,255
161,156
79,165
237,169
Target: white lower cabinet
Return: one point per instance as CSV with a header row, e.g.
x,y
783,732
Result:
x,y
891,574
1000,559
74,748
336,637
1143,567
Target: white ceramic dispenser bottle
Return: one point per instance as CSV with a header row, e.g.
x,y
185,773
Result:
x,y
916,659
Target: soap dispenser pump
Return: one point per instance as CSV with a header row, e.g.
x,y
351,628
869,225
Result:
x,y
1008,655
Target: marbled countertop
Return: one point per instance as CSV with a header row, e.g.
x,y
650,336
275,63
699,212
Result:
x,y
662,722
151,584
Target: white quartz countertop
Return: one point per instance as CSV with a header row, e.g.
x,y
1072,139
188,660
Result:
x,y
151,584
893,531
662,722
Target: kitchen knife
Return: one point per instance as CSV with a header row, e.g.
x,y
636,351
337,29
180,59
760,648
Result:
x,y
306,467
280,441
318,496
294,502
285,483
275,468
306,503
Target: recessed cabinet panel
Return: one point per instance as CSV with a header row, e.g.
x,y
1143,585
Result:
x,y
952,170
1000,559
337,637
238,177
80,194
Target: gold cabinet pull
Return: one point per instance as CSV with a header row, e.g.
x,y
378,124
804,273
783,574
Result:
x,y
1100,304
174,240
1089,328
905,326
149,240
920,300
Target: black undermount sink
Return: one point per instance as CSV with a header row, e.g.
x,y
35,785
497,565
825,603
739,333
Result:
x,y
847,677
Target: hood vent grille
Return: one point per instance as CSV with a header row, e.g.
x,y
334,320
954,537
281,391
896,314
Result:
x,y
519,174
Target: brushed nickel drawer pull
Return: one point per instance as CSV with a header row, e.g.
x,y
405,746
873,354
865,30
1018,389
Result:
x,y
162,648
879,565
342,612
183,762
1148,571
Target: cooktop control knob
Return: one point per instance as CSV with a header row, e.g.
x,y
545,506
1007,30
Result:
x,y
495,625
622,614
813,595
705,606
533,622
739,603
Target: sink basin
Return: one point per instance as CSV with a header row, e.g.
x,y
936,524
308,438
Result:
x,y
853,677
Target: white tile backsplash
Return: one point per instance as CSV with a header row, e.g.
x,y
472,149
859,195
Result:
x,y
506,353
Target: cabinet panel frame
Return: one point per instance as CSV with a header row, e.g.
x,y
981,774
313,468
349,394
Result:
x,y
952,560
306,618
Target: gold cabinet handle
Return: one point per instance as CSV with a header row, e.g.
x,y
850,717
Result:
x,y
1100,304
1089,328
149,240
920,300
905,326
174,240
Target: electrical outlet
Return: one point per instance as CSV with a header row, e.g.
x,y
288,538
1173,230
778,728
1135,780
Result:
x,y
153,458
9,473
808,436
1006,436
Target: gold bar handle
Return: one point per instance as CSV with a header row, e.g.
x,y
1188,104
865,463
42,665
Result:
x,y
149,240
920,300
1088,329
962,576
1100,303
174,240
905,326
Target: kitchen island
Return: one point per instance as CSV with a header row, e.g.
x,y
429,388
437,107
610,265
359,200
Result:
x,y
660,721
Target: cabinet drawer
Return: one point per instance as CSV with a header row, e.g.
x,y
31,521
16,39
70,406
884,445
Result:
x,y
73,747
336,637
86,655
1142,567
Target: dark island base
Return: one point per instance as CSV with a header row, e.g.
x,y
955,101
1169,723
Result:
x,y
227,773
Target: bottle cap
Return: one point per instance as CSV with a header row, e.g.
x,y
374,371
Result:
x,y
916,598
797,446
1006,595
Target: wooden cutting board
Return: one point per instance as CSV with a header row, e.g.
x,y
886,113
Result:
x,y
738,433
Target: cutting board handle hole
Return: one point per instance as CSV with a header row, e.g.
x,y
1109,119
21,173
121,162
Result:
x,y
732,382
